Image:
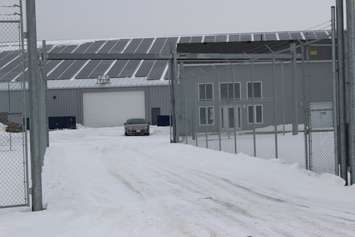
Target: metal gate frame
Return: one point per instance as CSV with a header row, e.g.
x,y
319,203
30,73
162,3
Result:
x,y
272,58
311,132
21,87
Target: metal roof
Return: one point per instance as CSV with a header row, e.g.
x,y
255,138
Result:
x,y
11,69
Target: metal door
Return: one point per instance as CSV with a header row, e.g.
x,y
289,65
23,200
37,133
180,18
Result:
x,y
230,117
155,114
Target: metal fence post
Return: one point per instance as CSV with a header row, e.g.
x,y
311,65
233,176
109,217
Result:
x,y
218,115
193,132
342,137
44,78
196,132
9,110
186,123
275,110
310,141
35,112
173,64
206,137
219,129
186,119
282,69
43,102
335,90
25,99
253,104
305,112
184,99
235,130
195,117
351,39
236,120
294,88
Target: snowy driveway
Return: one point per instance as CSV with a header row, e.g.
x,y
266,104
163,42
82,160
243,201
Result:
x,y
100,183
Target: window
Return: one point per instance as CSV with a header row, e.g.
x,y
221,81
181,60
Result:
x,y
259,114
230,91
255,114
206,116
254,89
206,91
251,114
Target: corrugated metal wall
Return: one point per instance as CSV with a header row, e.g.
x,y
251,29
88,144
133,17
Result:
x,y
69,102
159,97
11,102
64,102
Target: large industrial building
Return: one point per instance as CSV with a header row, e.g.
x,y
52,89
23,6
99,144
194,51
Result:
x,y
141,88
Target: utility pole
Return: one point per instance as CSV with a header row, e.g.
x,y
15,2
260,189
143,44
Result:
x,y
45,92
341,92
351,39
36,113
337,144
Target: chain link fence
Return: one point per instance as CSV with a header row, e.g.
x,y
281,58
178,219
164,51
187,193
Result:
x,y
13,132
250,108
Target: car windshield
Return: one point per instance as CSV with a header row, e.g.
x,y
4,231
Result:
x,y
136,121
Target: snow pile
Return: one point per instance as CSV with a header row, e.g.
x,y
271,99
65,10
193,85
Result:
x,y
2,127
100,183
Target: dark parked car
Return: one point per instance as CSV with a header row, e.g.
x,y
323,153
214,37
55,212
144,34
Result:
x,y
136,127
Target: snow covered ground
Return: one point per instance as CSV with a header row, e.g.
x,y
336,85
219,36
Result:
x,y
323,159
100,183
12,169
265,145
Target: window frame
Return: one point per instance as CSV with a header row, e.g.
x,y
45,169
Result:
x,y
254,114
206,113
248,114
233,83
262,114
199,92
261,88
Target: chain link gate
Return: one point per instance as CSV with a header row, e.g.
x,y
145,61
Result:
x,y
14,191
247,108
320,138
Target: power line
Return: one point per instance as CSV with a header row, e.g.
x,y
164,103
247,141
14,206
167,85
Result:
x,y
319,26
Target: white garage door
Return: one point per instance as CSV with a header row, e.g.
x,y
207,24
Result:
x,y
108,109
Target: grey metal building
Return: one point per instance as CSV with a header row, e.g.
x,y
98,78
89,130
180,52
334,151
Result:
x,y
248,93
141,89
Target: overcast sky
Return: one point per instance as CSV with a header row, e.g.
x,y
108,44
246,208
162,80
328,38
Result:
x,y
100,19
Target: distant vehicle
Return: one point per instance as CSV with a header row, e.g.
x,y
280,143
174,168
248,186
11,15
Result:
x,y
137,127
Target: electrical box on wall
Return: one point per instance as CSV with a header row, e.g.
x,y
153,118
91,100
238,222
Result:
x,y
321,115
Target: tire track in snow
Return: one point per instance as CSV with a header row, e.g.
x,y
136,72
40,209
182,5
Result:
x,y
302,210
185,180
248,190
222,208
185,187
126,183
214,202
